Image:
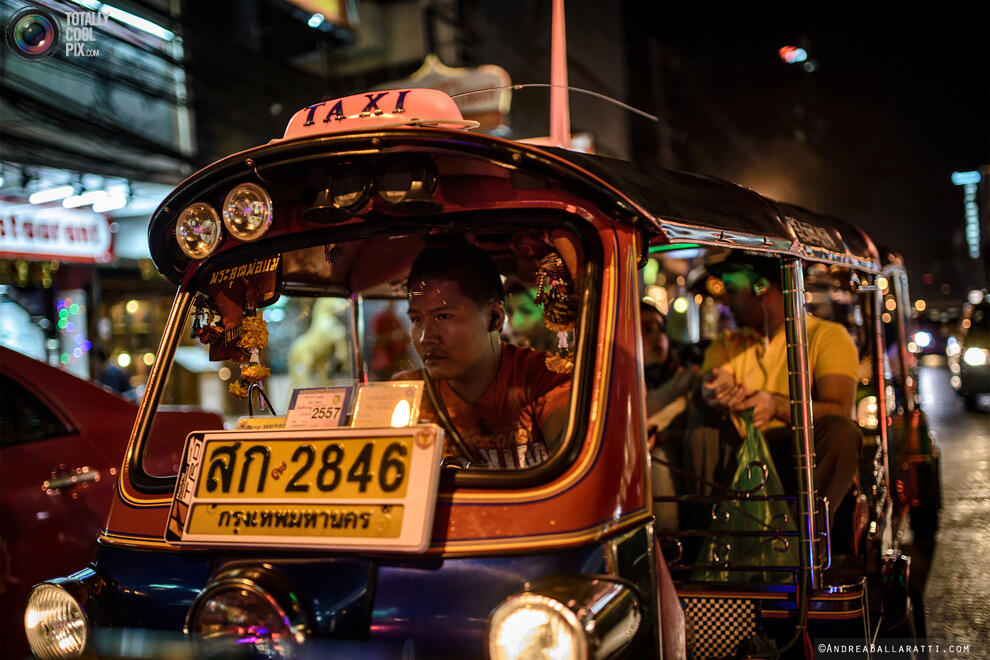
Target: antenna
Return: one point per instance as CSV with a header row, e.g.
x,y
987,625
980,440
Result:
x,y
560,114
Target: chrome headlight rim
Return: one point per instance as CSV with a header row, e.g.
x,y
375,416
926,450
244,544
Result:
x,y
263,582
602,612
267,216
212,246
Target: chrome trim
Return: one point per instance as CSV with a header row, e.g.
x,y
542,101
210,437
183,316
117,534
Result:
x,y
799,378
875,296
157,378
356,322
603,611
272,587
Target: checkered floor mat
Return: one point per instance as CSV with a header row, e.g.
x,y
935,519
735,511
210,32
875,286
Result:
x,y
716,626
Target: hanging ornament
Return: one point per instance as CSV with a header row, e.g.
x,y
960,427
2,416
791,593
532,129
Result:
x,y
238,388
207,325
253,337
252,373
255,332
560,309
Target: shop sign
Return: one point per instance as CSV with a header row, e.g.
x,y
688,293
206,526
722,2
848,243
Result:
x,y
43,233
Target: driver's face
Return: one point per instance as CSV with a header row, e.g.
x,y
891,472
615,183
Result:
x,y
450,332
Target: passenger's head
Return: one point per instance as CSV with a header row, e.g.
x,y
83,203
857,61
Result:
x,y
653,327
526,317
752,287
456,308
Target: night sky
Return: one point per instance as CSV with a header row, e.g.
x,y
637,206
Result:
x,y
896,104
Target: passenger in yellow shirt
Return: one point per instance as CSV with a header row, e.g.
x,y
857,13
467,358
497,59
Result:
x,y
747,369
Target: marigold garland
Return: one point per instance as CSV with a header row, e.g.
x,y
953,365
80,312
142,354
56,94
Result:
x,y
238,388
255,332
254,372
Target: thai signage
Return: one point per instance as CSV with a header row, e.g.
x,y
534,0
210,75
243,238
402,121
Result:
x,y
43,233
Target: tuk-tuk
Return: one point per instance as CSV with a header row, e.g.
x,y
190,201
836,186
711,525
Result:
x,y
347,523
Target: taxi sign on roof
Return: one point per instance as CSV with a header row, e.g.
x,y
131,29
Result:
x,y
381,109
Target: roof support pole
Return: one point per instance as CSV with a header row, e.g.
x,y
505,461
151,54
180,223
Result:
x,y
799,380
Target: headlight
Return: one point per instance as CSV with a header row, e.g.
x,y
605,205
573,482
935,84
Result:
x,y
198,230
534,627
247,211
564,618
866,413
976,357
54,623
59,613
253,606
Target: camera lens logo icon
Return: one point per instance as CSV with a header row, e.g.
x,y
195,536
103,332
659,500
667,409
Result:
x,y
33,33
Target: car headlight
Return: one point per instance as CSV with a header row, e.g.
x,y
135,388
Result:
x,y
59,613
253,606
563,618
866,413
198,230
976,357
247,211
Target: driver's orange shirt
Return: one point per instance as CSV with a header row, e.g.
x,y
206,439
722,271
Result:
x,y
505,425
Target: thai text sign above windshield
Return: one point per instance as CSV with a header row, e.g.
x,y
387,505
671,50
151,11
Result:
x,y
370,489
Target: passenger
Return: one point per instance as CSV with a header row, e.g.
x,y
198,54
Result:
x,y
747,369
525,318
509,408
669,388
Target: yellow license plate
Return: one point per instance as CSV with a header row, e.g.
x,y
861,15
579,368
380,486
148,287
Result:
x,y
334,489
366,468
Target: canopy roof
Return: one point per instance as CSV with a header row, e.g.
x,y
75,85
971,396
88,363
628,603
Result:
x,y
674,207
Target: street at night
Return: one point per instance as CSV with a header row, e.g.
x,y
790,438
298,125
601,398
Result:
x,y
956,603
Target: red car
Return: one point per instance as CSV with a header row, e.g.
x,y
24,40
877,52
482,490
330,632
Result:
x,y
61,442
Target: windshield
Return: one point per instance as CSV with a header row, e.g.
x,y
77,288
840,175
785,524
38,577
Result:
x,y
474,330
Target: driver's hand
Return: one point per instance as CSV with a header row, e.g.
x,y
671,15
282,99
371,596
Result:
x,y
720,390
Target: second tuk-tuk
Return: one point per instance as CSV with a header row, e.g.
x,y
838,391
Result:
x,y
352,522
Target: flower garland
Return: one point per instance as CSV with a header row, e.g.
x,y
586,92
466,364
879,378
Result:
x,y
253,339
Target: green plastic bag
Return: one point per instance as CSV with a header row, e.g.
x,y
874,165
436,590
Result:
x,y
746,515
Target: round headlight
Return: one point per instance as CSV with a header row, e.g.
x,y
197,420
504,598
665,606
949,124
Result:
x,y
247,211
54,623
249,607
198,230
535,626
866,413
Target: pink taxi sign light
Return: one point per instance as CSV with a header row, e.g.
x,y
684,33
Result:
x,y
373,110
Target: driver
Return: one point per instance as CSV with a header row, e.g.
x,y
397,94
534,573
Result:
x,y
509,408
